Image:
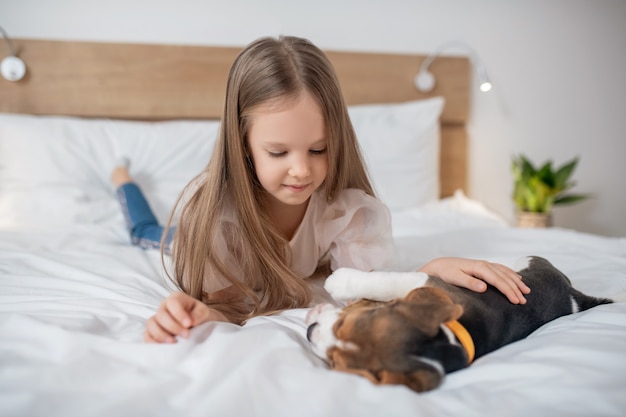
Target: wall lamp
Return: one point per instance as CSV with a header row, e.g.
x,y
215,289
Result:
x,y
12,67
425,80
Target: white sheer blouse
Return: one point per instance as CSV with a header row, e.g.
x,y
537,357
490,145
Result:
x,y
353,231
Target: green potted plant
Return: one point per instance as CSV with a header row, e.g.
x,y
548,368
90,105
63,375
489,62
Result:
x,y
536,191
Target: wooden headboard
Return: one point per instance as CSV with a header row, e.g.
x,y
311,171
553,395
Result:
x,y
158,82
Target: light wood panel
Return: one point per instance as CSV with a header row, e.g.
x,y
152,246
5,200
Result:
x,y
157,82
119,80
453,165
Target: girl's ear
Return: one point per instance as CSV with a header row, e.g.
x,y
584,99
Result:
x,y
246,146
248,154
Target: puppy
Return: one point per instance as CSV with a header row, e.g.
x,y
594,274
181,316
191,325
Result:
x,y
437,328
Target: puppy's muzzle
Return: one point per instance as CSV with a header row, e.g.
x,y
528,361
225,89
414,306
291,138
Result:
x,y
320,331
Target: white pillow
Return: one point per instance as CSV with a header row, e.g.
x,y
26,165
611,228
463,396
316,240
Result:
x,y
57,169
400,143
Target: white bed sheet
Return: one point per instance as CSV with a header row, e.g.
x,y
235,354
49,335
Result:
x,y
74,299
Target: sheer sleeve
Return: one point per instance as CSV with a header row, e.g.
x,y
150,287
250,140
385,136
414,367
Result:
x,y
357,232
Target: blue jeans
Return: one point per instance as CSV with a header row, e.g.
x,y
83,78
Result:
x,y
145,230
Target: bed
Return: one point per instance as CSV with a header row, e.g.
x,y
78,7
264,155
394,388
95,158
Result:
x,y
75,294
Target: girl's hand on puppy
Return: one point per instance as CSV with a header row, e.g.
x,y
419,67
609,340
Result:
x,y
475,275
178,313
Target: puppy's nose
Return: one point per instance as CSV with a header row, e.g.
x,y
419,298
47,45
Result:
x,y
309,331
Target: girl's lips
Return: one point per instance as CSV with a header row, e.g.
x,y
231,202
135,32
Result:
x,y
297,187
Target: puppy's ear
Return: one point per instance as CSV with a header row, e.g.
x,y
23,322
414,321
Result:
x,y
421,380
451,312
428,307
345,361
429,294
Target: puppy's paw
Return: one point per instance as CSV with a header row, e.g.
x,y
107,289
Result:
x,y
350,284
338,284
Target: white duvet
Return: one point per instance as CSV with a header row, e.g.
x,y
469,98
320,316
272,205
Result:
x,y
74,299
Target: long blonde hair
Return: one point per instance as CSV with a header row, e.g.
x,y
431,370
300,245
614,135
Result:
x,y
267,69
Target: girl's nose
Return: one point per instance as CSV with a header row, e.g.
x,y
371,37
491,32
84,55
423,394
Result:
x,y
300,168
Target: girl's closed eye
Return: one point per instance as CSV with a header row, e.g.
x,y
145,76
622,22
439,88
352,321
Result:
x,y
276,154
318,151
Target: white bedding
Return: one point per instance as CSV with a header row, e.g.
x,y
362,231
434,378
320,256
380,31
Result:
x,y
74,296
73,302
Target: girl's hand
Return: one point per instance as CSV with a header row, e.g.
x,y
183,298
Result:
x,y
475,275
177,314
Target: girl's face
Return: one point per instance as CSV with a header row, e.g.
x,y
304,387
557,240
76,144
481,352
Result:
x,y
288,143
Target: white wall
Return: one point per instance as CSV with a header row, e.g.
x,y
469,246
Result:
x,y
557,66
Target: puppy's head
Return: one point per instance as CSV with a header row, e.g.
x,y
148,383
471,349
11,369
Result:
x,y
397,342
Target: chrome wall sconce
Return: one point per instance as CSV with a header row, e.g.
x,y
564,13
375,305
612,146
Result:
x,y
11,67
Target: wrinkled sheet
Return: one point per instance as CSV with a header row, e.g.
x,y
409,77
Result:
x,y
74,300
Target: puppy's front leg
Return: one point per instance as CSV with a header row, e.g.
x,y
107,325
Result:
x,y
347,284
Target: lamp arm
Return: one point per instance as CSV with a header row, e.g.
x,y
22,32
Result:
x,y
8,41
425,80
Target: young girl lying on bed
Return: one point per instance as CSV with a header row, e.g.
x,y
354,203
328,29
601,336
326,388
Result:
x,y
285,194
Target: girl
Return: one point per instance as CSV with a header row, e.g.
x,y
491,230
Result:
x,y
284,195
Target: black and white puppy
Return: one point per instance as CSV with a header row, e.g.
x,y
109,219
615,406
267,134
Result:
x,y
421,328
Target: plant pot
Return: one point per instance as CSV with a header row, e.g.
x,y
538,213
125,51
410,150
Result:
x,y
531,220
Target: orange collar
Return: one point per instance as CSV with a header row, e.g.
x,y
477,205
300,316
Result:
x,y
464,337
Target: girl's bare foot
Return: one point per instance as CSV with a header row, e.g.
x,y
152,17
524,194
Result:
x,y
120,174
